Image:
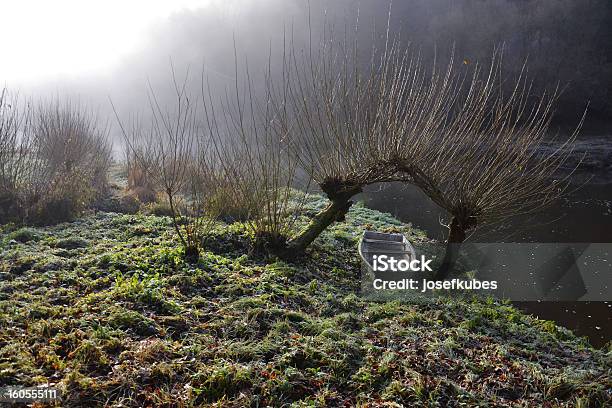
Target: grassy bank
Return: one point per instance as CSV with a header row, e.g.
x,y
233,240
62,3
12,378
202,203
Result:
x,y
105,309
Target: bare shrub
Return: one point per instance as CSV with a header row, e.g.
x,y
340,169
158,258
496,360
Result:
x,y
14,149
55,159
255,177
215,162
163,157
76,153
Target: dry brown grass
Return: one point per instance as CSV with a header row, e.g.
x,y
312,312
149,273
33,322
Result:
x,y
138,184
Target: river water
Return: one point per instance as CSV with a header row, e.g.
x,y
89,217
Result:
x,y
584,215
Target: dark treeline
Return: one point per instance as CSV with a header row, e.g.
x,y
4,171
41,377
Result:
x,y
563,40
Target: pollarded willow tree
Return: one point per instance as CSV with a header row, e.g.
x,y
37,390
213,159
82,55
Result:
x,y
476,149
351,124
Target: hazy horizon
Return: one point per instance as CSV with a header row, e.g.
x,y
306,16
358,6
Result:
x,y
99,50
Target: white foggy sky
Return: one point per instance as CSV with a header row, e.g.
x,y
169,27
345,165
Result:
x,y
43,40
96,49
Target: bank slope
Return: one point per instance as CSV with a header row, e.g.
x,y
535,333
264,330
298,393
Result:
x,y
105,309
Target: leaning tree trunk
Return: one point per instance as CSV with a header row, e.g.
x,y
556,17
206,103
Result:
x,y
335,211
456,236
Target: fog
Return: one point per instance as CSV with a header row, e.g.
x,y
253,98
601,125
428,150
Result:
x,y
565,41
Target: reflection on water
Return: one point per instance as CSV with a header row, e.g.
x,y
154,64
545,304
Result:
x,y
584,216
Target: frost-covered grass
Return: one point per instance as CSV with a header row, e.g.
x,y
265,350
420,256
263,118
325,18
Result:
x,y
106,309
